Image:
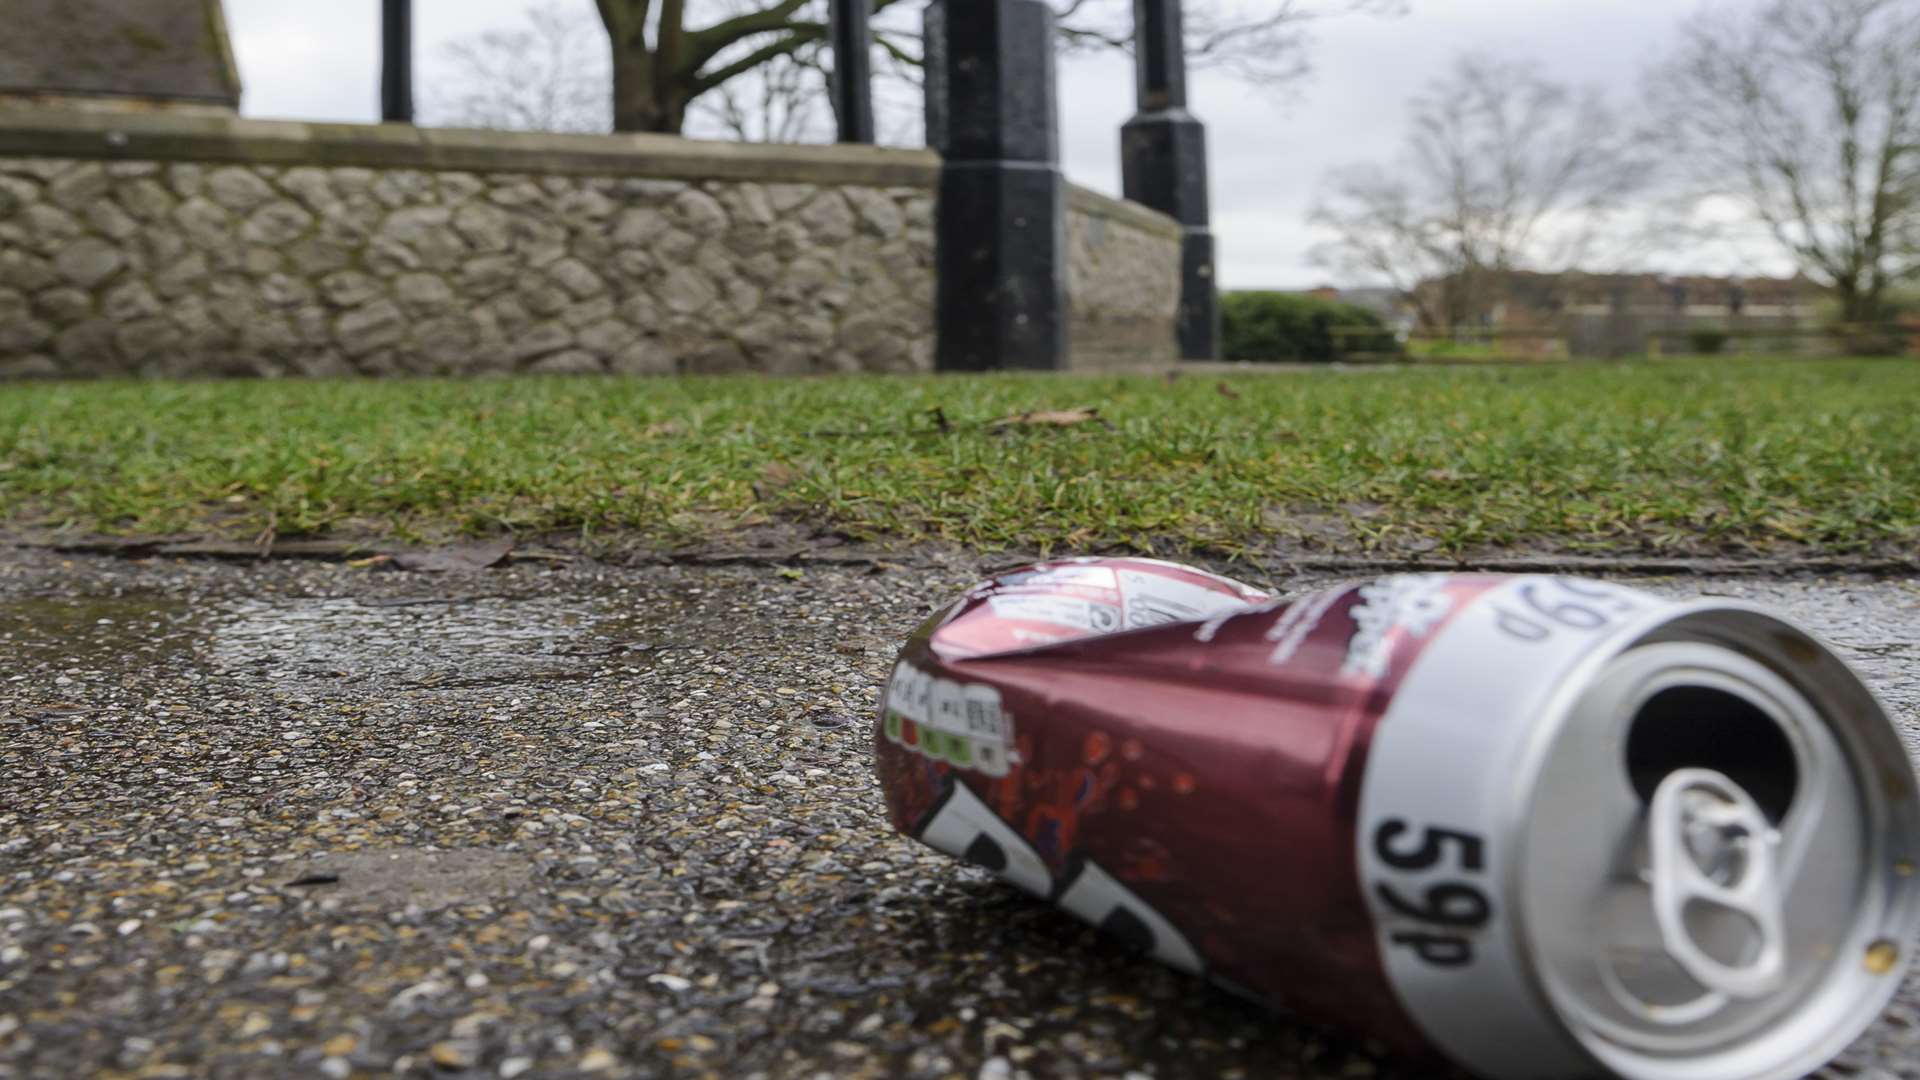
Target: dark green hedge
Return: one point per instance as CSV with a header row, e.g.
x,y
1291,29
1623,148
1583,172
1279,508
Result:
x,y
1272,326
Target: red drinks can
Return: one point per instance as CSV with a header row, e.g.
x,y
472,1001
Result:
x,y
1548,827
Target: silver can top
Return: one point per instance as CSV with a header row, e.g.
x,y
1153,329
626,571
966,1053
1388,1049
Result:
x,y
1718,877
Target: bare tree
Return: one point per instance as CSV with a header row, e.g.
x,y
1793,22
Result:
x,y
758,69
786,100
552,73
1806,114
1262,41
1504,169
661,63
549,75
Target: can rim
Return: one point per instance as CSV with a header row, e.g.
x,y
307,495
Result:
x,y
1889,906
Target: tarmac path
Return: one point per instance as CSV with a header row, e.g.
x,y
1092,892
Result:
x,y
567,820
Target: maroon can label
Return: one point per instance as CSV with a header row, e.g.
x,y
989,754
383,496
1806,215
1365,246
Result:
x,y
1165,755
1326,802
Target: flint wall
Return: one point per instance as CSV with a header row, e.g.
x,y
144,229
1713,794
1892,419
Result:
x,y
182,245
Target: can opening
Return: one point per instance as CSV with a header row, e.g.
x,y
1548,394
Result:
x,y
1728,935
1699,903
1687,727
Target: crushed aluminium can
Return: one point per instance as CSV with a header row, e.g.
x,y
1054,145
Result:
x,y
1548,827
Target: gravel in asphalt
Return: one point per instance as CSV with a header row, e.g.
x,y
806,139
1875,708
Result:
x,y
566,820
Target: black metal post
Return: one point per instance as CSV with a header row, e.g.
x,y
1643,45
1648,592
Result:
x,y
1163,164
396,61
853,69
993,114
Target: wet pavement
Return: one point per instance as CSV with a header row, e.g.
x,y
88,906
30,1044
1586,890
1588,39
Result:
x,y
567,819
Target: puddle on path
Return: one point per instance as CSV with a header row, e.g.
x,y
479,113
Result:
x,y
398,643
427,642
393,878
96,634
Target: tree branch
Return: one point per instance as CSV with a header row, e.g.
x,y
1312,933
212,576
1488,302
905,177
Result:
x,y
705,44
798,36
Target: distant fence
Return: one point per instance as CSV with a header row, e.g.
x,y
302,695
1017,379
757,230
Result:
x,y
1359,344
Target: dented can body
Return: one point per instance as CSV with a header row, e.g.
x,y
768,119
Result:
x,y
1548,827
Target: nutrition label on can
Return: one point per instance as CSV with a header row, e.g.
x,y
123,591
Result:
x,y
962,724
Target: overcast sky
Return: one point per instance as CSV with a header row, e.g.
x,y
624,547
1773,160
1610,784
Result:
x,y
1270,150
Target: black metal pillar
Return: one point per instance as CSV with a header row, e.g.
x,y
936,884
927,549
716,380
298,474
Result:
x,y
1163,164
853,69
396,61
992,113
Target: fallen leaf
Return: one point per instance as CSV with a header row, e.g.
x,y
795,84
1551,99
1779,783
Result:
x,y
452,1055
255,1024
664,427
1227,391
455,557
776,477
311,880
1046,418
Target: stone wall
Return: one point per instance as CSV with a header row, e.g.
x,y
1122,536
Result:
x,y
177,245
1123,283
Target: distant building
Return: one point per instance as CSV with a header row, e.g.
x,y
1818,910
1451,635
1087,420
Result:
x,y
1624,314
117,55
1393,309
1698,297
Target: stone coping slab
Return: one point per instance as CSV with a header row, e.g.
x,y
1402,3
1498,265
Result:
x,y
173,137
186,137
1121,211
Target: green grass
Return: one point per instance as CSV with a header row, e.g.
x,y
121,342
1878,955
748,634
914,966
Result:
x,y
1694,456
1421,348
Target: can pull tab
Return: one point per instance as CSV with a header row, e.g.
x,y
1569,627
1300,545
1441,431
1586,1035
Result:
x,y
1716,883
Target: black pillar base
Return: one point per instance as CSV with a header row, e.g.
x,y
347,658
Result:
x,y
1163,164
1199,327
1002,250
1002,295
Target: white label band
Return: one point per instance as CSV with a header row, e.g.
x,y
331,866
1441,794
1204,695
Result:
x,y
1437,827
